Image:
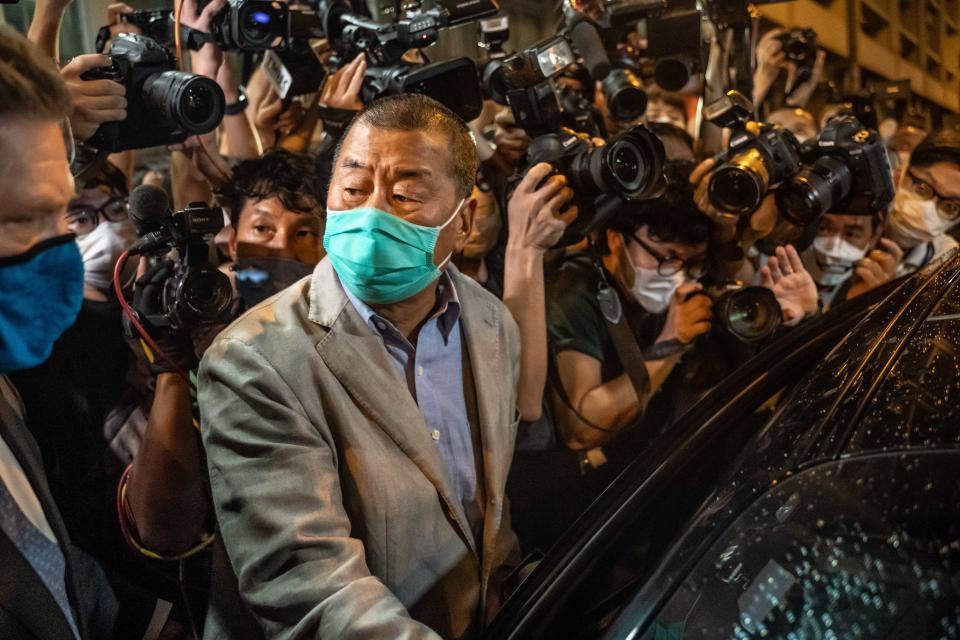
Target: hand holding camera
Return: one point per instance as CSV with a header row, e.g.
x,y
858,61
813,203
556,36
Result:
x,y
690,314
538,211
94,101
148,303
342,88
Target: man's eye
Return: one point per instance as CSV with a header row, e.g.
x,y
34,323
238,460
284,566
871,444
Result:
x,y
350,191
261,228
399,197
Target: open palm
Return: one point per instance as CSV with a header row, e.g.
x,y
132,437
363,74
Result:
x,y
794,288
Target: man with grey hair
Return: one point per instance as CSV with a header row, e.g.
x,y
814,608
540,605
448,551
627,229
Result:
x,y
359,425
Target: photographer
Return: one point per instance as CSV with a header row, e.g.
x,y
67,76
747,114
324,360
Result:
x,y
771,59
927,203
799,122
275,217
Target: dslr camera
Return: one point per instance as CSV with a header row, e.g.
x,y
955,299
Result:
x,y
454,83
605,179
197,292
846,171
156,24
760,156
164,106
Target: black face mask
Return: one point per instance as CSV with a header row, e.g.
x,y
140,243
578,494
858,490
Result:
x,y
259,277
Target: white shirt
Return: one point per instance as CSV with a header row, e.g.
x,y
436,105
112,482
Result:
x,y
15,479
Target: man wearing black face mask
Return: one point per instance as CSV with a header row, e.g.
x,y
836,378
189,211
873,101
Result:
x,y
42,275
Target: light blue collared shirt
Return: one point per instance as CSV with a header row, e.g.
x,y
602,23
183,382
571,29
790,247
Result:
x,y
433,372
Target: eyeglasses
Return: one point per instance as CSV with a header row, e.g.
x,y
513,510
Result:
x,y
84,218
950,208
671,265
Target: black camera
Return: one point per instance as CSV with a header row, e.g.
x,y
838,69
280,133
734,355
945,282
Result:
x,y
748,314
800,48
155,24
760,156
197,292
623,91
164,106
675,41
453,83
257,25
524,80
846,171
628,168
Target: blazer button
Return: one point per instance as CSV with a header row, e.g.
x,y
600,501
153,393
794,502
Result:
x,y
435,434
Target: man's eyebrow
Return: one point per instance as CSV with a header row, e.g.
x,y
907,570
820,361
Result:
x,y
353,163
420,172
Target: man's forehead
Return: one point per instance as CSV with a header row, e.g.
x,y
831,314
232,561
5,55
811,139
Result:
x,y
369,146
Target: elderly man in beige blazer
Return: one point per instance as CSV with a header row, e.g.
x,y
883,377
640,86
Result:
x,y
359,426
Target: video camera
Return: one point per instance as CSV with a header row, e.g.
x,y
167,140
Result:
x,y
846,171
164,106
759,156
454,83
258,25
628,168
197,292
800,48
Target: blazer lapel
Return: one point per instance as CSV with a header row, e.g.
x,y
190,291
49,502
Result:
x,y
24,594
357,357
480,320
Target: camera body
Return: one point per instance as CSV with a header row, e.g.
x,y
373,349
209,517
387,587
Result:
x,y
164,106
628,168
800,48
258,25
759,156
197,292
156,24
847,171
524,80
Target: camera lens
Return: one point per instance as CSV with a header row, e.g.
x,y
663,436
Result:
x,y
184,101
259,25
630,165
738,186
624,94
203,294
672,74
815,190
750,314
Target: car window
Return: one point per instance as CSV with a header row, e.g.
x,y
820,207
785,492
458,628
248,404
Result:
x,y
915,405
860,548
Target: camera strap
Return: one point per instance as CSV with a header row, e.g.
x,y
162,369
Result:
x,y
624,342
194,39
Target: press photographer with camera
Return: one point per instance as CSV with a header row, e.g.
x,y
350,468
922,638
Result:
x,y
927,204
796,52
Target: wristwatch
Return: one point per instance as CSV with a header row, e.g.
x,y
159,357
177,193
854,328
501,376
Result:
x,y
237,107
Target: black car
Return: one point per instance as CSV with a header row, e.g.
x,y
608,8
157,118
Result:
x,y
815,495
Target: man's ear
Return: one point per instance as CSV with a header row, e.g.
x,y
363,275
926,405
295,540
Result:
x,y
231,233
467,213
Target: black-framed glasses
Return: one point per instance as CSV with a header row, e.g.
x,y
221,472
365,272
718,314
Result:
x,y
948,207
670,265
84,218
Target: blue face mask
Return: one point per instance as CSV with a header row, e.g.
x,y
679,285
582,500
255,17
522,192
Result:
x,y
40,298
381,258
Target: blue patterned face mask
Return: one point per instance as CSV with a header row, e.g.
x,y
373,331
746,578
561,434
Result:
x,y
381,258
40,297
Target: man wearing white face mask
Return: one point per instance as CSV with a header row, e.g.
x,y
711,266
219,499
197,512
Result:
x,y
647,259
848,257
98,217
927,203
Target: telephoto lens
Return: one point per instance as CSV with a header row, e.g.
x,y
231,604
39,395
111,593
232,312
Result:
x,y
814,191
630,165
624,94
749,314
184,101
738,186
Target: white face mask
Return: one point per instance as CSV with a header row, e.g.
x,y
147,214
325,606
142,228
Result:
x,y
652,290
100,250
913,220
830,260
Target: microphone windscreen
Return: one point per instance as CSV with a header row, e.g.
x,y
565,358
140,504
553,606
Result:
x,y
587,41
148,208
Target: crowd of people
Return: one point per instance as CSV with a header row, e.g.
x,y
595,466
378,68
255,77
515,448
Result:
x,y
381,355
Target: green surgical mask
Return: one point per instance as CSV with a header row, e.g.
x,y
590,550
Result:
x,y
381,258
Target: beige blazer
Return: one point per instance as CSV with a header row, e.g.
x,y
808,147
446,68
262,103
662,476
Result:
x,y
332,500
